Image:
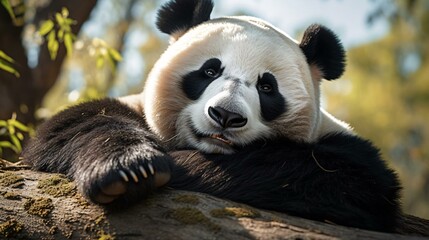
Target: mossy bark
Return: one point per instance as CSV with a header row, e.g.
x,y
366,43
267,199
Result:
x,y
58,212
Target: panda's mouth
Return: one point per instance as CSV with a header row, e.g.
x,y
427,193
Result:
x,y
218,139
221,138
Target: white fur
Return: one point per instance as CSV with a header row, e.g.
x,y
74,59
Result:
x,y
248,47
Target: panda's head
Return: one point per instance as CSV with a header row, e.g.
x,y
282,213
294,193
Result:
x,y
224,83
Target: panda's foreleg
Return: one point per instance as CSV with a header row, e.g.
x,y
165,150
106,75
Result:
x,y
106,147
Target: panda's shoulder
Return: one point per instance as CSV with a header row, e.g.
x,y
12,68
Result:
x,y
84,115
352,151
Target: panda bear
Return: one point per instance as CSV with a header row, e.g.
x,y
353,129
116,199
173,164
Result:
x,y
231,109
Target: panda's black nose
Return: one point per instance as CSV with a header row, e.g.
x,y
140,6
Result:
x,y
227,119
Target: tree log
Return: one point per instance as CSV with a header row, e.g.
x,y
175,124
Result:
x,y
35,205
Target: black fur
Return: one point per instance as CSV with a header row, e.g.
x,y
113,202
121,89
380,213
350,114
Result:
x,y
323,48
272,102
194,83
181,15
92,141
339,179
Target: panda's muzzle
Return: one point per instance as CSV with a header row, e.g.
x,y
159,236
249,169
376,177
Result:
x,y
226,119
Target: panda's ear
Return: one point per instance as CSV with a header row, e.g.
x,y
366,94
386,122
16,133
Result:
x,y
323,51
177,16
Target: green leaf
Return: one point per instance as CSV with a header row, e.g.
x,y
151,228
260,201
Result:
x,y
18,125
52,45
115,55
100,62
59,18
6,57
3,123
54,50
6,5
68,42
11,129
14,139
60,34
46,27
70,21
65,12
8,68
20,136
6,144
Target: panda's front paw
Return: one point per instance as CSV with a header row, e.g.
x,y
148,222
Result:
x,y
130,182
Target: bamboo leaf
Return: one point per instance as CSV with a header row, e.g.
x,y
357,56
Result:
x,y
60,34
20,136
54,50
68,42
46,27
19,125
14,139
6,57
6,5
100,62
115,54
65,12
52,45
8,68
10,128
59,18
3,123
51,39
70,21
6,144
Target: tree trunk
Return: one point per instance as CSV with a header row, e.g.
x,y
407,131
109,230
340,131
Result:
x,y
24,95
36,205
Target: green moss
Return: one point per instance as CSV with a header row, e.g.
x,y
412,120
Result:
x,y
9,179
100,219
11,196
57,186
234,212
187,199
193,216
105,236
10,228
39,206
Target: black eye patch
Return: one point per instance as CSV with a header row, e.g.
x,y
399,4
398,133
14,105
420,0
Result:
x,y
195,83
271,100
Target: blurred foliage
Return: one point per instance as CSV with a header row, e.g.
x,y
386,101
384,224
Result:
x,y
58,30
13,131
387,96
6,64
113,63
16,10
104,53
384,93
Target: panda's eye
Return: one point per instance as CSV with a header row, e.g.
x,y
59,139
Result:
x,y
211,73
265,87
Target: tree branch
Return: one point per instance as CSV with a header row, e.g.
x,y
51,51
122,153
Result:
x,y
36,205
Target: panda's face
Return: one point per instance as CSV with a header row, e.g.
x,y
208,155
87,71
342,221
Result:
x,y
227,83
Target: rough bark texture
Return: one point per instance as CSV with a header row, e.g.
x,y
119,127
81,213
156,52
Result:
x,y
36,205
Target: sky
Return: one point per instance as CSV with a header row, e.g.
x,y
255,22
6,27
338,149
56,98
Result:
x,y
347,18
